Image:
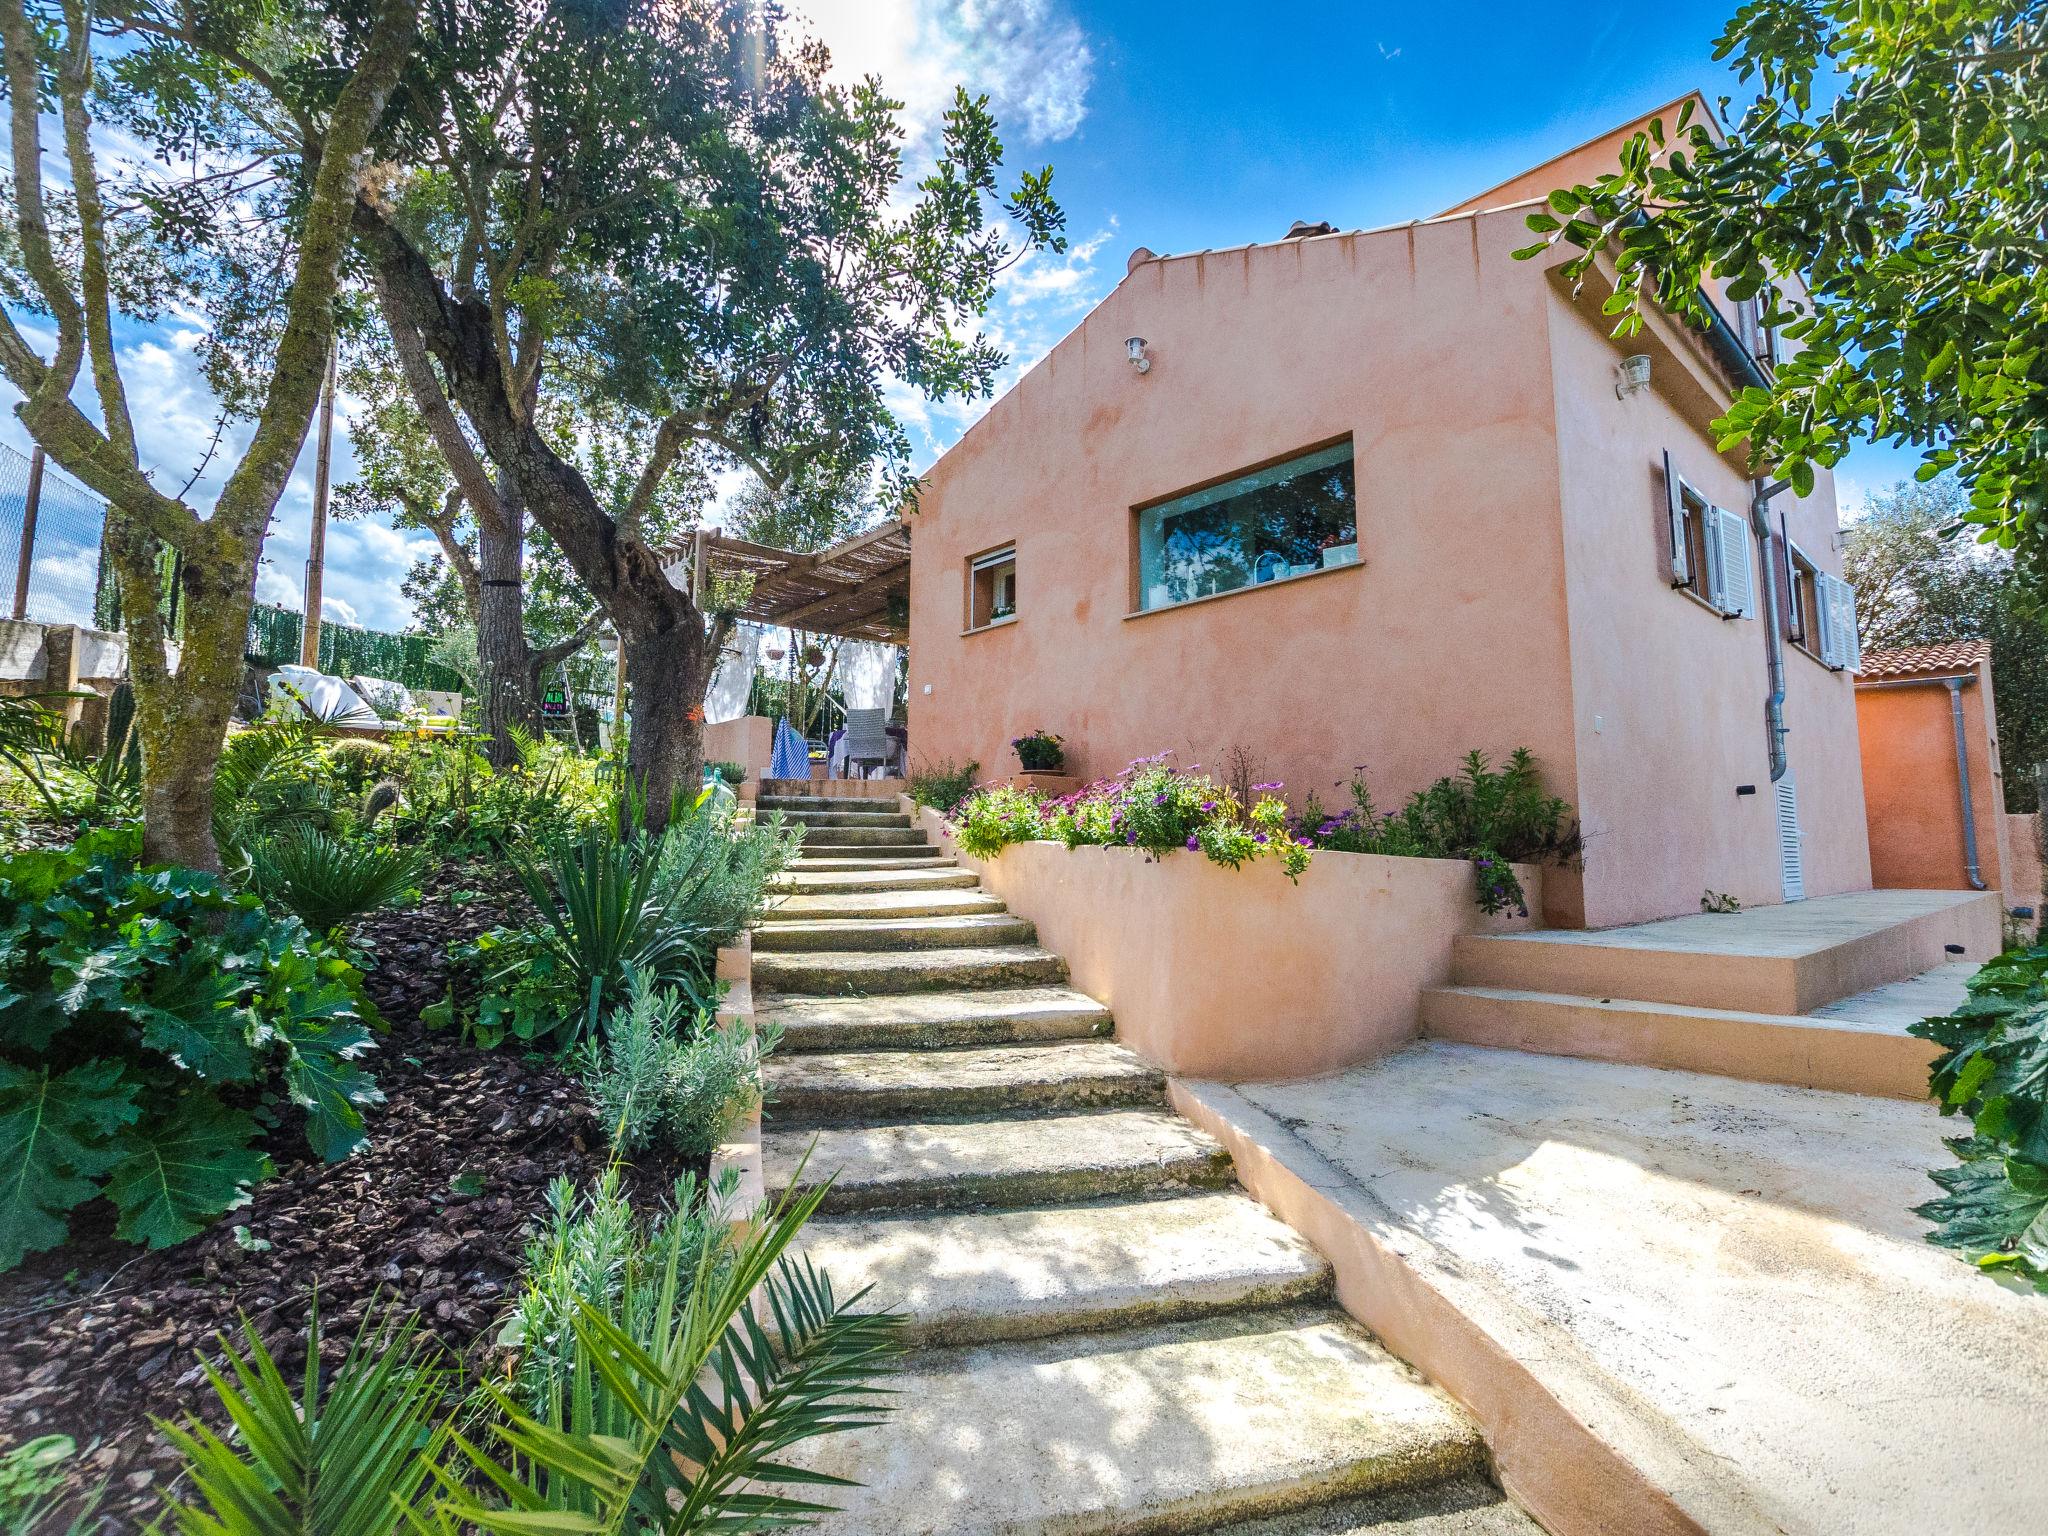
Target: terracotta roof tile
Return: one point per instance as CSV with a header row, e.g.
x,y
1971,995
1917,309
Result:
x,y
1908,660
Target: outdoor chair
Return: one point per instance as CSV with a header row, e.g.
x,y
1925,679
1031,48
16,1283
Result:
x,y
868,740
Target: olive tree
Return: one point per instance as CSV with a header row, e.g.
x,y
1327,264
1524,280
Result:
x,y
668,204
1914,206
271,118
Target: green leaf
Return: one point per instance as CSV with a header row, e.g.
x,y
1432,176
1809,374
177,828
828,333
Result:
x,y
189,1014
55,1139
179,1172
329,1084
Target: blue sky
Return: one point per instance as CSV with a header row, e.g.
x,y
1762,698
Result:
x,y
1172,126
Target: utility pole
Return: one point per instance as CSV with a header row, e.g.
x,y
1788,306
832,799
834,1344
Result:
x,y
316,548
29,508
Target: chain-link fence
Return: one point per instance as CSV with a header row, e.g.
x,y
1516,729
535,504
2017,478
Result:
x,y
50,528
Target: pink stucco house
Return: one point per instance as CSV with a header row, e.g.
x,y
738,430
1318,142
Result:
x,y
1382,496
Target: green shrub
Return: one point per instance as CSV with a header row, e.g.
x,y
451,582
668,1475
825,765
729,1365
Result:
x,y
607,907
669,1075
453,802
1495,818
1993,1067
989,820
325,881
32,1478
943,785
730,773
682,1364
148,1016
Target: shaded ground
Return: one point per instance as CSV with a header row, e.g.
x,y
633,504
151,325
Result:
x,y
432,1214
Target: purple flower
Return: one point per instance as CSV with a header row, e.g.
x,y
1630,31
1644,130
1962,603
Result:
x,y
1258,837
1275,785
1194,842
1208,805
1326,829
1159,799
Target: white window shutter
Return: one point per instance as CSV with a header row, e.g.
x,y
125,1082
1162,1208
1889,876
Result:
x,y
1848,648
1674,512
1738,586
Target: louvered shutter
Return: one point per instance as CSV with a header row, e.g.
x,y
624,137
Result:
x,y
1791,856
1852,643
1674,512
1836,600
1738,586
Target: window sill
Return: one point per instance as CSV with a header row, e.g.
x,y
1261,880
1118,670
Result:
x,y
1257,586
1811,655
1691,595
982,629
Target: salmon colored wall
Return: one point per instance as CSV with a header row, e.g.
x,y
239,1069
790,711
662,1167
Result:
x,y
750,739
1491,451
2023,883
1234,974
1909,777
1584,164
1669,696
1449,633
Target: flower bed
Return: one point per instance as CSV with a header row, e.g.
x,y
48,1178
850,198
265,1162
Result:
x,y
1243,973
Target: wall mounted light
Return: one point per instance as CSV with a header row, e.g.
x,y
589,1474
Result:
x,y
1632,376
1134,349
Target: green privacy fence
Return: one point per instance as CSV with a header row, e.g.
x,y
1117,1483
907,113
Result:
x,y
346,650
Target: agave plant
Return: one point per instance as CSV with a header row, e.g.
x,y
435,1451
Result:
x,y
684,1392
327,881
599,918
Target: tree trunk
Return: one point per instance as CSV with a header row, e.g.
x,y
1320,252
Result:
x,y
181,718
510,697
665,750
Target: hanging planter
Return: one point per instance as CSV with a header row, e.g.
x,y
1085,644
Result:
x,y
814,655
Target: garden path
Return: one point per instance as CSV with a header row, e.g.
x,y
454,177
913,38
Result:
x,y
1106,1335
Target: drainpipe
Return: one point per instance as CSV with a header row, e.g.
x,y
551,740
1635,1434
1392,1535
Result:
x,y
1955,686
1728,346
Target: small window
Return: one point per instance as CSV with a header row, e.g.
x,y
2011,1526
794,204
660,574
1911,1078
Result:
x,y
1802,595
1288,520
992,588
1710,549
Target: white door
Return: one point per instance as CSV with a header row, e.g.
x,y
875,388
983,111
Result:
x,y
1791,860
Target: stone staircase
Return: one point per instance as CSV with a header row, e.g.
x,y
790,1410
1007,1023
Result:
x,y
1106,1335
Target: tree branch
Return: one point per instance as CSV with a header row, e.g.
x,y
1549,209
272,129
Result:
x,y
552,655
417,368
31,218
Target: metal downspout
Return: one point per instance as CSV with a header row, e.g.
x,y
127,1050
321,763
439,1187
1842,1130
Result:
x,y
1955,707
1774,639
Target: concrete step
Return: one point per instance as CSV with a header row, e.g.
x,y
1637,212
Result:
x,y
1469,1505
863,1087
980,1276
826,803
889,818
820,873
1805,1052
893,934
1787,959
1047,1160
824,855
914,902
865,973
910,1019
865,837
1176,1428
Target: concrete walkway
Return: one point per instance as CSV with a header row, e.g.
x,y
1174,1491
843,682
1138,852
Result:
x,y
1725,1277
1107,1336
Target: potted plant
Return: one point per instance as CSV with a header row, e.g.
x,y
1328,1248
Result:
x,y
1040,752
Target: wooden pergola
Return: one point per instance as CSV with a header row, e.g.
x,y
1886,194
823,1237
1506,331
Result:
x,y
859,588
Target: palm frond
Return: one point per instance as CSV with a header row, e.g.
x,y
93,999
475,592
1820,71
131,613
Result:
x,y
352,1460
327,881
677,1430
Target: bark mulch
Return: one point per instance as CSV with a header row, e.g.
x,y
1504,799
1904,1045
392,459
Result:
x,y
432,1214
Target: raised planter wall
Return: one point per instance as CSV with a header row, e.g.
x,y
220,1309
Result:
x,y
1239,975
750,739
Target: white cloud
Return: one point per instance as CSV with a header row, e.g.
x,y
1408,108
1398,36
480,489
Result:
x,y
337,610
1029,56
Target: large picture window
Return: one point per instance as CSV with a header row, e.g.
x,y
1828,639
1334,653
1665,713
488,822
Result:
x,y
1288,520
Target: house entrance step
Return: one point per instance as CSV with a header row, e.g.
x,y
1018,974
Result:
x,y
873,877
1174,1428
1840,1054
896,934
867,849
914,902
826,803
1043,1160
842,818
898,861
905,1020
1460,1506
864,837
857,1086
981,1276
866,973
